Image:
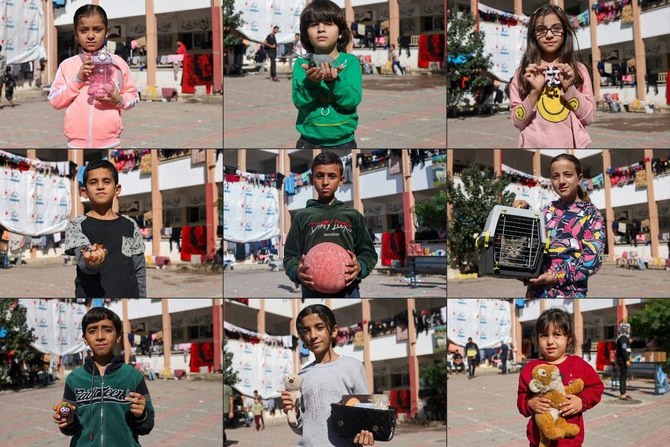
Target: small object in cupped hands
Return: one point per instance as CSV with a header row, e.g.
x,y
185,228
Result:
x,y
92,247
316,60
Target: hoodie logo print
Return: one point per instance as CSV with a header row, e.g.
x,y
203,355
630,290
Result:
x,y
328,225
84,396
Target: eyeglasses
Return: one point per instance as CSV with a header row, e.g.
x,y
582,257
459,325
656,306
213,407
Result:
x,y
556,30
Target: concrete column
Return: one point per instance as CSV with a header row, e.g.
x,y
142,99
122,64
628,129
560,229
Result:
x,y
653,206
518,7
349,18
394,23
407,198
286,170
640,53
621,312
356,188
367,363
413,361
242,159
152,49
543,304
595,49
559,3
260,318
579,326
518,341
279,167
537,166
126,330
50,43
167,337
156,205
497,162
79,159
609,211
211,200
217,322
217,43
474,10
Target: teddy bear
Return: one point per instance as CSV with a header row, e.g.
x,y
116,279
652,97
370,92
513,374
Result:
x,y
292,384
547,380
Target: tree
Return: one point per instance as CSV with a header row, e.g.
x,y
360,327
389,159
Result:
x,y
15,339
229,374
231,21
431,213
653,323
467,62
435,376
470,207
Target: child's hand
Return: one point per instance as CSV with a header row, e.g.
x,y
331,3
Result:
x,y
329,73
573,406
86,69
314,74
353,268
535,75
539,404
304,278
364,438
61,421
566,75
288,404
137,403
94,255
112,97
547,278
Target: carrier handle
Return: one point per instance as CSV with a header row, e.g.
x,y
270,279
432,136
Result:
x,y
486,236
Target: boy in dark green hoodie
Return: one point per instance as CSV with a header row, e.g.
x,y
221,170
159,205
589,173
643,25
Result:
x,y
111,401
329,220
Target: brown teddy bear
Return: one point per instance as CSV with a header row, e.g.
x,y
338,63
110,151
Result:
x,y
547,380
292,384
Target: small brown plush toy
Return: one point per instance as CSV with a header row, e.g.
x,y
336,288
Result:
x,y
547,380
292,384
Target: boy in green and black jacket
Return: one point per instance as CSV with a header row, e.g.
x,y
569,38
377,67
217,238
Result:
x,y
329,220
112,402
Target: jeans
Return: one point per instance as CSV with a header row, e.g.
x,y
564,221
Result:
x,y
503,362
622,370
272,55
471,367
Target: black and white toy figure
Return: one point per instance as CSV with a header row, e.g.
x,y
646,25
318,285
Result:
x,y
551,76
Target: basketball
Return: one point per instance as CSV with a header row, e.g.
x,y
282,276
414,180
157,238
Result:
x,y
326,262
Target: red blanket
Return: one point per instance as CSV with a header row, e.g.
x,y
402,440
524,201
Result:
x,y
193,242
197,70
431,49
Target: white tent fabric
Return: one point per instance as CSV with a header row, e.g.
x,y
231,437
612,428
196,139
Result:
x,y
261,16
56,324
487,321
260,367
21,31
251,213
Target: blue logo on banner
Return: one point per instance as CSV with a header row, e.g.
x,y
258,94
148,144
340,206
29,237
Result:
x,y
483,320
254,7
43,323
483,304
254,26
462,302
39,219
247,366
14,197
43,340
248,209
483,336
39,200
63,202
15,217
15,177
504,50
226,207
39,181
278,11
504,31
460,317
248,227
461,333
61,185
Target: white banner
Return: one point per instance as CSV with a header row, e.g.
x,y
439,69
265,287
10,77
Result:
x,y
260,16
56,324
250,212
487,321
536,196
33,204
506,45
260,367
21,30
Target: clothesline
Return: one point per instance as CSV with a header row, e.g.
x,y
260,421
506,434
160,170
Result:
x,y
61,168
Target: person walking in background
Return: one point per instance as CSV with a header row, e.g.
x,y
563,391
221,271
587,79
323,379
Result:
x,y
472,353
257,409
504,352
586,349
270,44
623,358
260,399
395,61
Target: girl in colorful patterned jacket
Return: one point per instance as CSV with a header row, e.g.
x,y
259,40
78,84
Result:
x,y
576,232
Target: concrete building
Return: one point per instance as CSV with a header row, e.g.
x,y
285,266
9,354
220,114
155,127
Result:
x,y
182,189
645,38
384,199
623,203
391,362
197,23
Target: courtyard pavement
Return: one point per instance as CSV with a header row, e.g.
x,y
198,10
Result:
x,y
396,112
609,130
57,281
34,123
482,413
262,283
610,281
188,413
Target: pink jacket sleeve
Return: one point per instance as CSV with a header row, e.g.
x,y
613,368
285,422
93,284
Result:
x,y
522,112
64,88
586,104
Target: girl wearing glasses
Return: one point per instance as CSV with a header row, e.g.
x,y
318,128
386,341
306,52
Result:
x,y
551,92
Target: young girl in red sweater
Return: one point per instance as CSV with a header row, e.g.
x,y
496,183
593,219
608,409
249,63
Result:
x,y
555,338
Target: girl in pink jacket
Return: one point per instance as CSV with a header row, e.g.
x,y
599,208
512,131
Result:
x,y
551,94
93,86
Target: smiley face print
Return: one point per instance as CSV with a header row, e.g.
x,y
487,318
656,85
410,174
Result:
x,y
552,107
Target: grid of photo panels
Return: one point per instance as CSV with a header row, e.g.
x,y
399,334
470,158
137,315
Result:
x,y
335,218
111,222
558,233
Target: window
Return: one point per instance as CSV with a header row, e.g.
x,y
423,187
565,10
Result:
x,y
399,380
374,223
172,218
165,45
197,214
394,220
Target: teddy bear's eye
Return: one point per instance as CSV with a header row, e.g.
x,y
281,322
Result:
x,y
543,372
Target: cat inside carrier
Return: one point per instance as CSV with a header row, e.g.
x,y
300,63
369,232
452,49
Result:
x,y
512,243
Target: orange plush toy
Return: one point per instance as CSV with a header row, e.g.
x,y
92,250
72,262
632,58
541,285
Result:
x,y
547,380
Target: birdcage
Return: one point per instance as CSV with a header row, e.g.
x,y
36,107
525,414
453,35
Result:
x,y
512,243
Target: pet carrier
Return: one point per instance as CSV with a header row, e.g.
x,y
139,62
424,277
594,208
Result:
x,y
512,243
